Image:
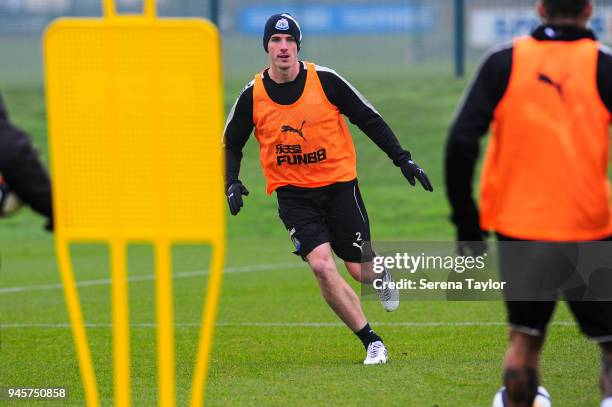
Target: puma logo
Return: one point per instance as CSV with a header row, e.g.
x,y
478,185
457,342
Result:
x,y
546,79
360,247
285,128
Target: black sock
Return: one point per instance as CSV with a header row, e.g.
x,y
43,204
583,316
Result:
x,y
367,335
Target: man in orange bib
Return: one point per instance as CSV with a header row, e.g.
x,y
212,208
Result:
x,y
544,188
308,158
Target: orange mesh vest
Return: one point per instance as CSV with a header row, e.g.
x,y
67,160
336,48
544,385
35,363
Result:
x,y
545,170
306,144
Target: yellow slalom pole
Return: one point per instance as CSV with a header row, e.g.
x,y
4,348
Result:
x,y
149,8
208,324
76,321
108,6
121,330
165,323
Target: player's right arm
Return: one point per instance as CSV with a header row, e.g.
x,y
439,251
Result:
x,y
21,168
238,128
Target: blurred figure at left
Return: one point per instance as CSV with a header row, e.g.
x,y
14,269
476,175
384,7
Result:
x,y
22,175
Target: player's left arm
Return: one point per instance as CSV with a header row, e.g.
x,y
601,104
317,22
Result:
x,y
361,113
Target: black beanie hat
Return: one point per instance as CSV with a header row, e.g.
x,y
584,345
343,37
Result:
x,y
282,24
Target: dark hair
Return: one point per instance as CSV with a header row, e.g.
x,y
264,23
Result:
x,y
565,8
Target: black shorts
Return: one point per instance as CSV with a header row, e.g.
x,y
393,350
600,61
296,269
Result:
x,y
537,275
334,214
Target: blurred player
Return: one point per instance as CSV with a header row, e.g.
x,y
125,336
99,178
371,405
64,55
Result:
x,y
549,97
21,170
308,158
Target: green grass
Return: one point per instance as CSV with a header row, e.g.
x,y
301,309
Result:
x,y
257,364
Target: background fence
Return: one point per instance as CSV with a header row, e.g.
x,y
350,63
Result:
x,y
393,37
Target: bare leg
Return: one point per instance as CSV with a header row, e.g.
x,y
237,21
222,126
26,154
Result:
x,y
334,289
363,273
521,368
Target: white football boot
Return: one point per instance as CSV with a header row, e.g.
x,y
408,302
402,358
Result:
x,y
377,354
389,298
542,398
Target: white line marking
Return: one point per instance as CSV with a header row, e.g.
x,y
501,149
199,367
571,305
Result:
x,y
357,203
150,277
282,324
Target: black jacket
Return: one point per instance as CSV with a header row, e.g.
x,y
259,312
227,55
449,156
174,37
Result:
x,y
21,167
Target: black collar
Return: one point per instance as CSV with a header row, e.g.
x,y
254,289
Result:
x,y
562,33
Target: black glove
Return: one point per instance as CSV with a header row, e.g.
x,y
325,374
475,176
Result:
x,y
470,241
234,193
410,169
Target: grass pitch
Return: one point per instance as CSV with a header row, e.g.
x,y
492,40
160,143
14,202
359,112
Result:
x,y
277,343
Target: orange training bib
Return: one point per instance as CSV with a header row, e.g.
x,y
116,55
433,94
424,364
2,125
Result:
x,y
545,173
305,144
